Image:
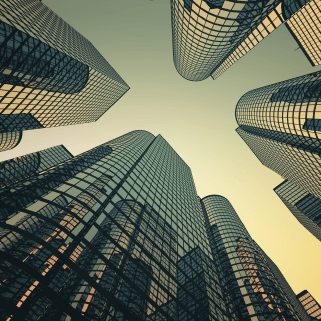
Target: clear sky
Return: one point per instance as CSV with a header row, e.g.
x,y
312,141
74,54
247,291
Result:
x,y
196,118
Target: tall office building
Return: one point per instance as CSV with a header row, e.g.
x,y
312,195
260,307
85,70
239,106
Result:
x,y
116,233
303,20
303,205
17,169
290,294
251,289
206,32
310,304
50,75
281,125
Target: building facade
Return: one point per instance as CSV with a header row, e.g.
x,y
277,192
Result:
x,y
116,233
281,125
303,205
302,19
290,294
17,169
310,304
206,32
50,75
251,289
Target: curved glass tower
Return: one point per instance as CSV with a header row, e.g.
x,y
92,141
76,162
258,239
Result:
x,y
206,32
252,290
281,123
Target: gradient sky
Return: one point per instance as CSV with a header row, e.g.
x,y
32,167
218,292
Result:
x,y
196,118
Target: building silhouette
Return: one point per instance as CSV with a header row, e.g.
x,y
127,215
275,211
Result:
x,y
310,304
17,169
206,32
302,19
115,233
252,291
280,123
50,75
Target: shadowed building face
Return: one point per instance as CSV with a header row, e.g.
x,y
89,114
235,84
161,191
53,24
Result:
x,y
206,32
17,169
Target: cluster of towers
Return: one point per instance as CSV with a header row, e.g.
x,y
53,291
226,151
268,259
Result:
x,y
119,233
281,123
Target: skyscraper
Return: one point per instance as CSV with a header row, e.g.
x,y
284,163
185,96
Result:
x,y
265,28
285,286
14,170
116,233
303,20
303,205
310,304
251,289
281,125
206,32
50,75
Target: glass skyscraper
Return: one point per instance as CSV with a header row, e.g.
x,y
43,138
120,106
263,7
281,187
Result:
x,y
116,233
50,75
302,18
251,289
281,125
304,22
19,168
303,205
206,32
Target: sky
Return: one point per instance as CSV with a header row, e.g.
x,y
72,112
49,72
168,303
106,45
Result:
x,y
196,118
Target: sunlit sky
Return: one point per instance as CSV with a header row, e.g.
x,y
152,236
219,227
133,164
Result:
x,y
196,118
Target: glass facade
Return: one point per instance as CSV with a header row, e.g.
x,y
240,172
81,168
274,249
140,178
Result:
x,y
302,19
50,75
16,169
206,32
116,233
283,283
303,205
9,140
310,304
266,27
251,289
305,26
279,123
